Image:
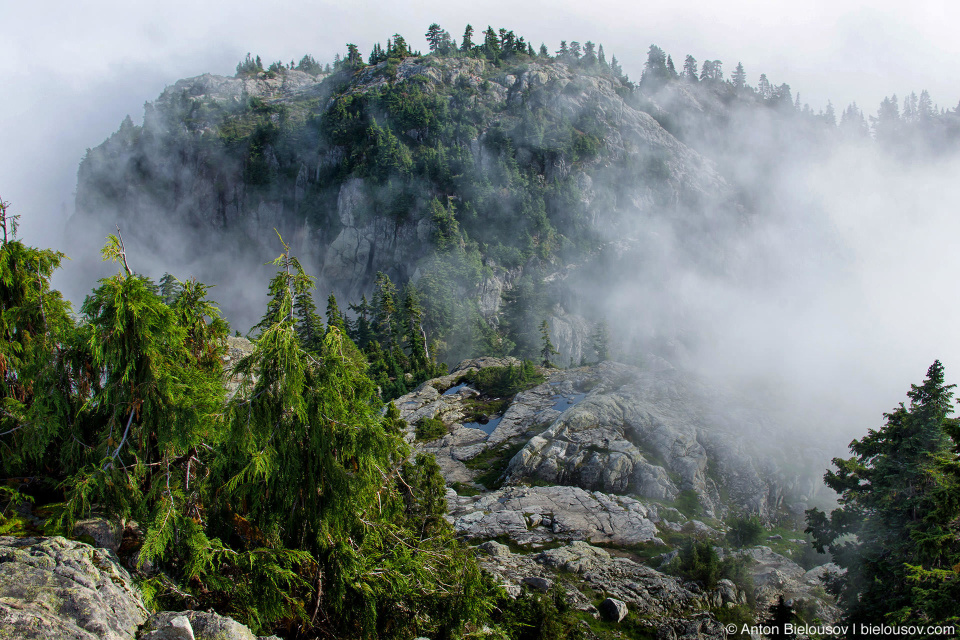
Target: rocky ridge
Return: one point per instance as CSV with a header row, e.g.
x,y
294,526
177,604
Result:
x,y
598,456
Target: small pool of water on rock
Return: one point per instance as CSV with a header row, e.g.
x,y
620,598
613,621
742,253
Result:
x,y
452,390
565,403
486,428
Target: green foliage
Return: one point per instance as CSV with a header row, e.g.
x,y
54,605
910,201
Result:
x,y
744,531
504,382
699,562
249,66
547,350
430,429
36,358
689,503
896,528
535,616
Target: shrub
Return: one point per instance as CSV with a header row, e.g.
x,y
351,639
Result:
x,y
430,429
505,381
745,531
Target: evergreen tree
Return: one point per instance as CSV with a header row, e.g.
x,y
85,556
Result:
x,y
781,615
655,68
466,45
764,88
690,68
384,310
544,53
600,341
311,465
739,77
309,326
158,400
671,69
354,58
334,317
830,116
547,350
362,334
434,37
37,394
898,519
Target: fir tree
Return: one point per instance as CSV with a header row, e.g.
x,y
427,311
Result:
x,y
547,350
308,325
898,515
600,341
739,77
466,44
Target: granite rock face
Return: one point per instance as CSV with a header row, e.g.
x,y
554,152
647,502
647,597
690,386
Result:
x,y
650,432
54,588
530,515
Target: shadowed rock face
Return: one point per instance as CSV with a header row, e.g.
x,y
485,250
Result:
x,y
54,588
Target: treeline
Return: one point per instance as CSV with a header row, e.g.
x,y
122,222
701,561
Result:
x,y
294,506
919,126
494,45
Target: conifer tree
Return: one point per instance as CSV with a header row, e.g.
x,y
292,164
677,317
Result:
x,y
37,396
600,341
362,333
466,44
334,316
157,403
312,465
690,68
739,77
897,522
309,326
434,37
547,350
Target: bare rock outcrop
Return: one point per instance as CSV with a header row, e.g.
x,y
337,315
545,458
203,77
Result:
x,y
54,588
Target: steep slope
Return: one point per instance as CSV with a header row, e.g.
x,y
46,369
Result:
x,y
467,178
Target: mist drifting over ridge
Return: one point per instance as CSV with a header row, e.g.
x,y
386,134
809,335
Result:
x,y
807,294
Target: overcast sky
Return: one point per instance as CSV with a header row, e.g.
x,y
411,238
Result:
x,y
74,70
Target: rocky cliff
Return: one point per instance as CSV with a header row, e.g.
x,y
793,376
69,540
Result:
x,y
547,170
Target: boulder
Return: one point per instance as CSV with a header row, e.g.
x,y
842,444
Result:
x,y
200,625
613,610
99,532
54,588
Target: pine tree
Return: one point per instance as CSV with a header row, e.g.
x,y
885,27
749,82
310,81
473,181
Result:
x,y
739,77
690,69
37,385
334,317
600,341
898,515
434,36
547,350
466,45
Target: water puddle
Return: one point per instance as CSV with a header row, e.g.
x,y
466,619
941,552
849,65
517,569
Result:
x,y
565,402
487,428
452,390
